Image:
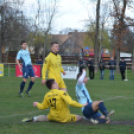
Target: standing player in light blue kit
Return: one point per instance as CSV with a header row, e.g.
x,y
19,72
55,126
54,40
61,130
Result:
x,y
91,110
27,68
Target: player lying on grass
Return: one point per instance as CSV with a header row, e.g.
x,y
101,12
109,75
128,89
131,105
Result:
x,y
53,64
57,100
27,68
91,110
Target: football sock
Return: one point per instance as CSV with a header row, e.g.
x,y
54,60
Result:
x,y
22,85
34,119
40,118
30,86
103,109
102,121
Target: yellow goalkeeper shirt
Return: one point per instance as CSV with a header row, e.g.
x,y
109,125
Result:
x,y
53,63
58,101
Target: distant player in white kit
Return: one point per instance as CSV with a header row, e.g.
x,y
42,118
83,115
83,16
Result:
x,y
91,110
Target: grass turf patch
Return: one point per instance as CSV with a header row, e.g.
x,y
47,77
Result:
x,y
117,95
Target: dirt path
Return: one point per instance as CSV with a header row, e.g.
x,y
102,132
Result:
x,y
126,123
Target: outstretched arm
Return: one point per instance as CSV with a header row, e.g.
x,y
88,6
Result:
x,y
41,106
80,80
71,102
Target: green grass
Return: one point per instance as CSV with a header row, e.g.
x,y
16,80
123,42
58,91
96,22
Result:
x,y
13,108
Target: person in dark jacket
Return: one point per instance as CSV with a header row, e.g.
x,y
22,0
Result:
x,y
90,65
39,61
80,64
122,66
112,64
102,68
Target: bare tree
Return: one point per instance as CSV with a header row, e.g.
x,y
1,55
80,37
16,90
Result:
x,y
49,12
97,27
34,25
120,24
104,17
97,32
11,26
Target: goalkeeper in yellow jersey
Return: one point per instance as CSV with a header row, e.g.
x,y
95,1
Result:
x,y
53,63
57,100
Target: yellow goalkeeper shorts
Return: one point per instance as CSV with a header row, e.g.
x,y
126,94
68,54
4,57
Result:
x,y
60,82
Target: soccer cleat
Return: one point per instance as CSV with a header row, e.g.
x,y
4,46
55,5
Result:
x,y
28,119
28,93
21,94
94,121
109,115
91,120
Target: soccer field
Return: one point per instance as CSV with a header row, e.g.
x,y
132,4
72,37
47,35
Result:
x,y
117,95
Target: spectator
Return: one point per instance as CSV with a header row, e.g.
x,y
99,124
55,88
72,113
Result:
x,y
102,68
81,64
112,64
122,66
90,65
39,61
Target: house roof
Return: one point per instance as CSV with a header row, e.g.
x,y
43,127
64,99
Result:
x,y
76,37
60,38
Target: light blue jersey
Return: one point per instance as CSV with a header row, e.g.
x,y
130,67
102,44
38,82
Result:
x,y
82,92
24,55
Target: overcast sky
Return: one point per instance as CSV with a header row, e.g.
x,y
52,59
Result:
x,y
74,14
71,13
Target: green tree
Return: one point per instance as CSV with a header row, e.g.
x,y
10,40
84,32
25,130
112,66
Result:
x,y
89,38
104,39
38,44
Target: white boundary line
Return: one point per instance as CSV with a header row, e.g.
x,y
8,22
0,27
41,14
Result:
x,y
117,97
107,99
14,115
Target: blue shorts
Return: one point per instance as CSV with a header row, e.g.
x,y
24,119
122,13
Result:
x,y
28,71
89,113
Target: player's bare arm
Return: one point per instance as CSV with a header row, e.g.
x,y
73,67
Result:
x,y
64,73
43,82
18,63
35,104
44,70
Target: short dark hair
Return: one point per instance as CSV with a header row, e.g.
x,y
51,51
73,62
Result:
x,y
23,41
78,75
49,83
52,43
